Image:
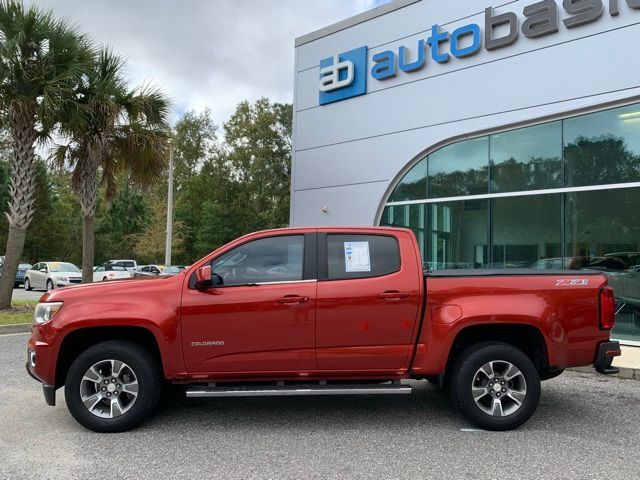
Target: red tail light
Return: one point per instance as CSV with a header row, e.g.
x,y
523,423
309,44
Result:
x,y
607,309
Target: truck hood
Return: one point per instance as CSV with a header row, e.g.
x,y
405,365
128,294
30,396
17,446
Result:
x,y
117,288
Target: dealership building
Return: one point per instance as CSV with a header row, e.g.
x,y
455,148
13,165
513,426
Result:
x,y
504,135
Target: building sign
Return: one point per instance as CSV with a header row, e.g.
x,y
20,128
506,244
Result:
x,y
345,75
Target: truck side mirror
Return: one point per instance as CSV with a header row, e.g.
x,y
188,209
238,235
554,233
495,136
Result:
x,y
204,278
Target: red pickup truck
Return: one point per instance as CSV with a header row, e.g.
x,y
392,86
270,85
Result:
x,y
319,311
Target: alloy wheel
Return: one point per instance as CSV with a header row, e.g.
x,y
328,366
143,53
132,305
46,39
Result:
x,y
109,388
499,388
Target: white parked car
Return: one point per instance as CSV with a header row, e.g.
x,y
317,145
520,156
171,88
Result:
x,y
50,275
130,265
110,271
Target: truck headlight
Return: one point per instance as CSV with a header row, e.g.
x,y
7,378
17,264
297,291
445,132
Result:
x,y
44,312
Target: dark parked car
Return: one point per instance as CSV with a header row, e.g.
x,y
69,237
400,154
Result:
x,y
22,268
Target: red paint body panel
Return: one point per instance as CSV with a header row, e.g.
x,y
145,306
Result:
x,y
359,330
152,304
567,317
259,333
342,329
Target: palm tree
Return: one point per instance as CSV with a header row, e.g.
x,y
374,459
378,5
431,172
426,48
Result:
x,y
41,60
115,129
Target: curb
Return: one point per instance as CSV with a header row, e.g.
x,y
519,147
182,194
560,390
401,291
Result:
x,y
15,328
625,372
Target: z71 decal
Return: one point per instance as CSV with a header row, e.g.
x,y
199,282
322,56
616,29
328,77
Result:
x,y
572,282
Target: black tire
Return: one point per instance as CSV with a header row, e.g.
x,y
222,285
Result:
x,y
104,279
27,284
49,285
463,376
434,380
148,377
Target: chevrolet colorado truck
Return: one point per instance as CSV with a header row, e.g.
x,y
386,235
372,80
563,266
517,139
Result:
x,y
319,311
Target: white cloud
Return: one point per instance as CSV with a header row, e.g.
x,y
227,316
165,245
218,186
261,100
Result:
x,y
211,53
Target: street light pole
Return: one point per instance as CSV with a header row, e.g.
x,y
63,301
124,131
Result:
x,y
169,241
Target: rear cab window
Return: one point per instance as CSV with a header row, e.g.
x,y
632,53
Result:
x,y
352,256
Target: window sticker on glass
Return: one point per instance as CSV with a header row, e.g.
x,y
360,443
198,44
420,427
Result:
x,y
356,257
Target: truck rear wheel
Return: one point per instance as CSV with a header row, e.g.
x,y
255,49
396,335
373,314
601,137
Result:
x,y
113,386
496,386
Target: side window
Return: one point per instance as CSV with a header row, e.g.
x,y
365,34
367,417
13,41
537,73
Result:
x,y
361,256
100,269
273,259
36,267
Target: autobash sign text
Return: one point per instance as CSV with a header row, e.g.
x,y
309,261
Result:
x,y
344,75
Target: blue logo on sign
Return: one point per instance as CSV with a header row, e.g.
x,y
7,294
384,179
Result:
x,y
343,76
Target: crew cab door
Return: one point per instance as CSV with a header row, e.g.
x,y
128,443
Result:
x,y
369,300
262,318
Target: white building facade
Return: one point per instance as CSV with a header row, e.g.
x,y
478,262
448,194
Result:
x,y
505,135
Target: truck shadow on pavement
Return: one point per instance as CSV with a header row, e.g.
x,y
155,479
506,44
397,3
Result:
x,y
427,408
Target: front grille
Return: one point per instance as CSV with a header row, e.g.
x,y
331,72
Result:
x,y
75,280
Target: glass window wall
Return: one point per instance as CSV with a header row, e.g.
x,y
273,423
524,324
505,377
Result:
x,y
407,216
603,148
591,229
603,233
527,158
414,184
527,232
459,169
459,234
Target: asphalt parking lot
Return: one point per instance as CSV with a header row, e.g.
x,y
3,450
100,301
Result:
x,y
21,294
587,426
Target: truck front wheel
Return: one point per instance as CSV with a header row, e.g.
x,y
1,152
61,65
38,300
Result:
x,y
113,386
495,385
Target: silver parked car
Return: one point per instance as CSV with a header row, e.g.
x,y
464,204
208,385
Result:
x,y
49,275
158,270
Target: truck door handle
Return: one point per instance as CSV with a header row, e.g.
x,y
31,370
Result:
x,y
292,299
393,295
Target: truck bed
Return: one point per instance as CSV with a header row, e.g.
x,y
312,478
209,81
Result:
x,y
506,272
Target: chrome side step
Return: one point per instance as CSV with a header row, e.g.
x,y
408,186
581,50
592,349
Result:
x,y
277,391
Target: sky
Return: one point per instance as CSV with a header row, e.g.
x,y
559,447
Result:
x,y
207,53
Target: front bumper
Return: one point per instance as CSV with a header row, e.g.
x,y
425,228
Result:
x,y
606,352
48,390
67,283
39,355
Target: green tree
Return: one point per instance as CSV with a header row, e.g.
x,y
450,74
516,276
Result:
x,y
199,176
149,245
241,185
41,60
258,140
195,138
119,221
118,129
